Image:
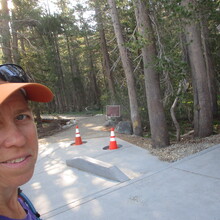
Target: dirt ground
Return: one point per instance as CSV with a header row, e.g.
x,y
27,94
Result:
x,y
93,127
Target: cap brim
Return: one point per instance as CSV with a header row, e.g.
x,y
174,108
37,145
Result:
x,y
34,91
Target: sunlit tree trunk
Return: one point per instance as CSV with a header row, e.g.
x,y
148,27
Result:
x,y
72,92
5,32
105,54
60,74
135,116
15,50
76,89
92,75
158,126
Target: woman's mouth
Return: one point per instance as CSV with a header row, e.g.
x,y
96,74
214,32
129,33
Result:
x,y
18,162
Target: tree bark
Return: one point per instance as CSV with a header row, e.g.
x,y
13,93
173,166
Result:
x,y
135,117
158,126
94,92
60,74
72,89
104,49
209,65
5,32
15,50
203,120
79,97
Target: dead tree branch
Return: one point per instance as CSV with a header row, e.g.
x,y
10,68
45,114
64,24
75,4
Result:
x,y
182,86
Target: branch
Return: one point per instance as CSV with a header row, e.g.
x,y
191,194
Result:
x,y
140,59
172,112
29,42
183,85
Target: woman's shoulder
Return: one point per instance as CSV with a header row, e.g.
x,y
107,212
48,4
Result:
x,y
30,215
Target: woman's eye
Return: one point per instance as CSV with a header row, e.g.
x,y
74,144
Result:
x,y
21,117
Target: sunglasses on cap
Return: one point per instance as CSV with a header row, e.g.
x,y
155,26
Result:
x,y
13,73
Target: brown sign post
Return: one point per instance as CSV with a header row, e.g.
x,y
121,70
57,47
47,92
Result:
x,y
113,111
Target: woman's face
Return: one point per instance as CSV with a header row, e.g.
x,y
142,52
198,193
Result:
x,y
18,141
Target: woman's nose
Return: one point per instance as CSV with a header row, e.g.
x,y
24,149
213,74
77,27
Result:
x,y
13,136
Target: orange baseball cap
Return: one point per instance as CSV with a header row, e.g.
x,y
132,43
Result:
x,y
34,91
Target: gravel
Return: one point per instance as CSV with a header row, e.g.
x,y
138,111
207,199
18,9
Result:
x,y
175,151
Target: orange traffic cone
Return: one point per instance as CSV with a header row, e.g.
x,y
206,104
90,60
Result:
x,y
78,140
113,144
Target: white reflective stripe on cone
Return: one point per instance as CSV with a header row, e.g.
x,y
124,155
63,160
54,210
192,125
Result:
x,y
112,133
77,135
112,139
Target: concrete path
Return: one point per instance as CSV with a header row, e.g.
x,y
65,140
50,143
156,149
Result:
x,y
185,190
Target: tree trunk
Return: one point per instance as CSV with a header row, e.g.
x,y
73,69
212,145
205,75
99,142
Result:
x,y
22,45
5,32
104,49
60,75
78,96
37,113
72,89
158,126
135,117
15,51
92,76
202,104
209,65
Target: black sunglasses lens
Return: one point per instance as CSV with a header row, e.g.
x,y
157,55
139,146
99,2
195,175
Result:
x,y
13,73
